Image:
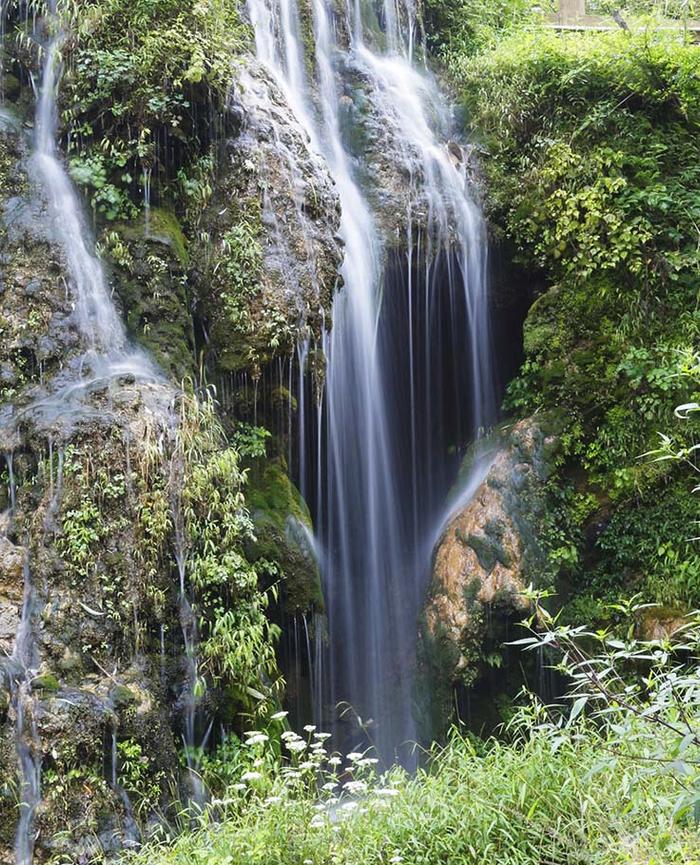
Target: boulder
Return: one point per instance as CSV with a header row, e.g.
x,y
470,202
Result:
x,y
487,554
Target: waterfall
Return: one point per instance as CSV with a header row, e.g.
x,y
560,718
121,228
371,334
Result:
x,y
97,319
107,351
411,314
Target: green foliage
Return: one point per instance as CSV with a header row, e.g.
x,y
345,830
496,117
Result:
x,y
137,777
464,26
680,9
592,161
250,441
595,147
241,257
92,514
644,692
237,638
141,80
540,799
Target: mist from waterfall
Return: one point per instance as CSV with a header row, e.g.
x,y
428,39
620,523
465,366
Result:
x,y
384,463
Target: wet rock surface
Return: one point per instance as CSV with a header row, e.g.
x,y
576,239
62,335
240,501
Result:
x,y
80,603
486,556
94,676
271,270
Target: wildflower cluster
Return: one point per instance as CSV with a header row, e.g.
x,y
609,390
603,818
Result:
x,y
279,767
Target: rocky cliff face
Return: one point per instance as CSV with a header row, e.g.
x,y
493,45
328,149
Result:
x,y
486,556
106,478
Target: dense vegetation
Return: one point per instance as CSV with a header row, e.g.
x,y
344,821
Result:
x,y
542,799
592,161
558,789
144,93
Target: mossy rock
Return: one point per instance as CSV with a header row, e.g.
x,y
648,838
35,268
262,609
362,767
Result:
x,y
10,87
121,696
149,259
46,682
282,531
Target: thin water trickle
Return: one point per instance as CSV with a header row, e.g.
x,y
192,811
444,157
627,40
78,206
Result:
x,y
108,353
12,486
377,500
114,757
190,637
28,747
162,654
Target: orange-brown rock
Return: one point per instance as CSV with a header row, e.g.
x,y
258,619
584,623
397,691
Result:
x,y
488,553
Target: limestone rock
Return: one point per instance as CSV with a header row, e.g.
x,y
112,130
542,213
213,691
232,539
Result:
x,y
268,275
488,553
11,592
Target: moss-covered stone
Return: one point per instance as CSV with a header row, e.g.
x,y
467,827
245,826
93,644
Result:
x,y
283,534
489,552
149,259
46,682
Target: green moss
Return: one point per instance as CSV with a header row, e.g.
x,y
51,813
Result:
x,y
46,682
488,547
150,259
164,227
282,528
121,696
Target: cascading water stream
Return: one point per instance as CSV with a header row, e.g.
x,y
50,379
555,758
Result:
x,y
24,664
377,501
98,321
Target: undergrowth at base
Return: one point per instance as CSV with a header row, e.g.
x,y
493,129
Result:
x,y
545,798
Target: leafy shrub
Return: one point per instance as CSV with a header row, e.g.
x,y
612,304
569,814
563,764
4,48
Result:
x,y
143,81
237,639
591,155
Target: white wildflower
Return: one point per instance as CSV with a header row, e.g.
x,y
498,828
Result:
x,y
310,728
330,785
322,736
317,821
251,776
278,716
260,739
355,786
367,761
386,791
354,756
334,761
296,745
